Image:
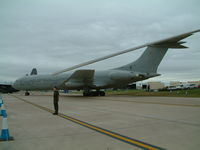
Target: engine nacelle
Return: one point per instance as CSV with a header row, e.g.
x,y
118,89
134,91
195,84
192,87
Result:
x,y
121,75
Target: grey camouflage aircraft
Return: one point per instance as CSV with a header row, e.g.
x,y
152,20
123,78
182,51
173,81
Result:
x,y
93,82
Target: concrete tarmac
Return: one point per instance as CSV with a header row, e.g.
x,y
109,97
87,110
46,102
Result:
x,y
161,122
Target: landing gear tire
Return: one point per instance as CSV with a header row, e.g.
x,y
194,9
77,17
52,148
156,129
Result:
x,y
27,93
86,93
93,93
102,93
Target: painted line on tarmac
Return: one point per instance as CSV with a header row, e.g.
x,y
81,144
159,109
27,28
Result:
x,y
170,104
118,136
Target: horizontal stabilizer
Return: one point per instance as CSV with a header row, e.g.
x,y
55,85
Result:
x,y
170,44
178,46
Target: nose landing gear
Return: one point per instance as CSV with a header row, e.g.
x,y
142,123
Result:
x,y
27,93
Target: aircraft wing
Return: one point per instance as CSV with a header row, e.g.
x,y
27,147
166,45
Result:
x,y
172,42
81,77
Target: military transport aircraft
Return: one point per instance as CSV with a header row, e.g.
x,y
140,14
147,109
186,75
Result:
x,y
93,82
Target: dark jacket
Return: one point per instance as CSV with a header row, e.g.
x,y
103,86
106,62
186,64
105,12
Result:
x,y
56,95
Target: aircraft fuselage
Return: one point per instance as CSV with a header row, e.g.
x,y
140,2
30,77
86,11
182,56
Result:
x,y
100,80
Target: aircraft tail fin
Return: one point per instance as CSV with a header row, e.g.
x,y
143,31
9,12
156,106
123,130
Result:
x,y
34,71
149,61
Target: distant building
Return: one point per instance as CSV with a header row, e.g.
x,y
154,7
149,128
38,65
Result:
x,y
175,83
194,82
155,85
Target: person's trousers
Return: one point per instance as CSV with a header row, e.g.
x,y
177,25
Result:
x,y
55,102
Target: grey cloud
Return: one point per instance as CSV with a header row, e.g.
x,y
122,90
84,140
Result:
x,y
53,35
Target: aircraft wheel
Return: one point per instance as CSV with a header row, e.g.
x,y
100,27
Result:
x,y
85,93
27,93
94,93
101,93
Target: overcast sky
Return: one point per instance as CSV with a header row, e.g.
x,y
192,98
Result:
x,y
55,34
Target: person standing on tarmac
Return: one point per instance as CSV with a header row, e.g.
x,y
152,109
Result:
x,y
55,100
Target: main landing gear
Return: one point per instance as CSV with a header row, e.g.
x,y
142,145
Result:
x,y
93,93
27,93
